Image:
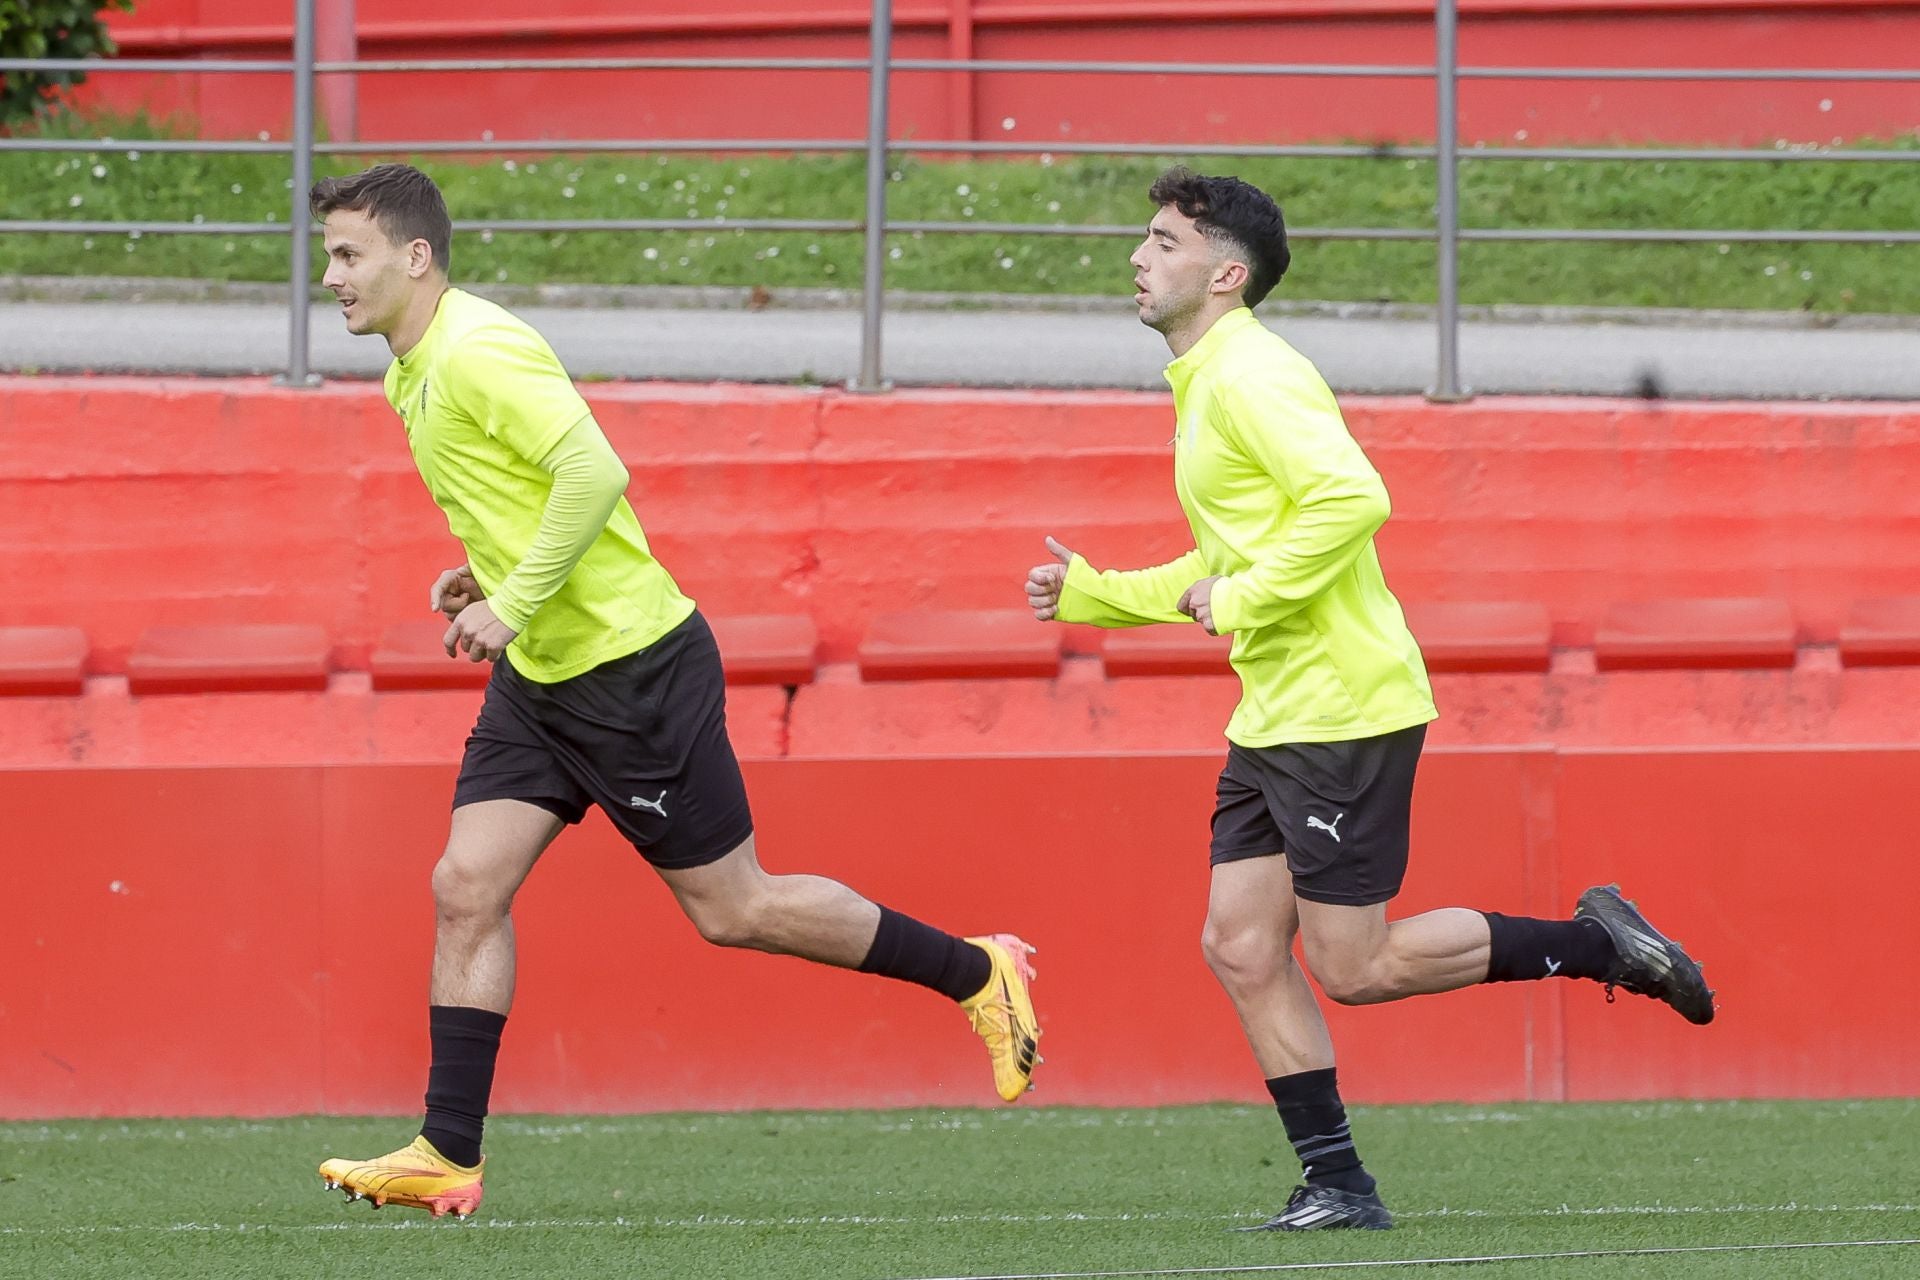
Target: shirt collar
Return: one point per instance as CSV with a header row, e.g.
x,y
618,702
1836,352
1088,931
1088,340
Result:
x,y
1181,371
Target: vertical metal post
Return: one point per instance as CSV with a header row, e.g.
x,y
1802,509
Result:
x,y
873,279
300,229
1447,205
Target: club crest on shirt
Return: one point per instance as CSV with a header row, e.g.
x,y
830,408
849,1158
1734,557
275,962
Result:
x,y
410,411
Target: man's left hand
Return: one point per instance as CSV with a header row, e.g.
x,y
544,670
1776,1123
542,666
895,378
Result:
x,y
478,633
1197,603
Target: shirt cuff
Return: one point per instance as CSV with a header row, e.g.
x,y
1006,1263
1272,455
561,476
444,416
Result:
x,y
510,610
1229,613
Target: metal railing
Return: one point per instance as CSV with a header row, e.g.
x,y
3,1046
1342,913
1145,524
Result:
x,y
1446,233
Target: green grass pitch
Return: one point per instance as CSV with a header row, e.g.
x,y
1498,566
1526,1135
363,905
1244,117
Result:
x,y
975,1193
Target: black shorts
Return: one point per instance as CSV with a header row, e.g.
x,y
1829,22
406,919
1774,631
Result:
x,y
1340,812
644,737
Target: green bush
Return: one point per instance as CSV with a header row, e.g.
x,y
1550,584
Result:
x,y
48,29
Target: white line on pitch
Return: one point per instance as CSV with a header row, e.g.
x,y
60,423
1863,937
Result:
x,y
895,1220
1483,1260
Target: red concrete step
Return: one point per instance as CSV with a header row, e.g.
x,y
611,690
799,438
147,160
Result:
x,y
959,645
239,658
410,656
1735,632
1465,636
42,661
1881,633
754,649
767,648
1168,649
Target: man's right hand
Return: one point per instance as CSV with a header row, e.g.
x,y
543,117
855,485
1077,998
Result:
x,y
454,590
1044,582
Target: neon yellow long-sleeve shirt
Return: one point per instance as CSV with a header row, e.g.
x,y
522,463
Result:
x,y
1283,506
530,486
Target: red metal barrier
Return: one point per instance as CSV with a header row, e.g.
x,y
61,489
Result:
x,y
1054,108
191,941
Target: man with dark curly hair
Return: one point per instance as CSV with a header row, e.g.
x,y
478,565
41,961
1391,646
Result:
x,y
1311,819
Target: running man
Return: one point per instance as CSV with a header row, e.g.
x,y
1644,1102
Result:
x,y
1311,820
606,690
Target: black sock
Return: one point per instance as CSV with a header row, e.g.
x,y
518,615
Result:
x,y
465,1044
1309,1105
904,948
1525,949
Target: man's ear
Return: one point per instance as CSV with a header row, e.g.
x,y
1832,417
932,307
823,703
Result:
x,y
1230,277
419,258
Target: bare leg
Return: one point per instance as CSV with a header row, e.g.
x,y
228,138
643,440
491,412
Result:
x,y
735,903
490,849
1251,922
1360,958
1252,918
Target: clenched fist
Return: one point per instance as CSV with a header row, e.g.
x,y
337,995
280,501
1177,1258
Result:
x,y
1197,603
479,633
454,590
1044,582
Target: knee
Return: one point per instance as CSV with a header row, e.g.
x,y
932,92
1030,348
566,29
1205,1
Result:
x,y
1349,980
1243,956
1348,989
463,892
741,921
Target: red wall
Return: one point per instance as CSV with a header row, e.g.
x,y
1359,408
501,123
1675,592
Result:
x,y
179,866
151,915
235,501
1053,108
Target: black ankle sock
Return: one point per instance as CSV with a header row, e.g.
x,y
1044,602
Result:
x,y
904,948
1310,1108
465,1044
1524,949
